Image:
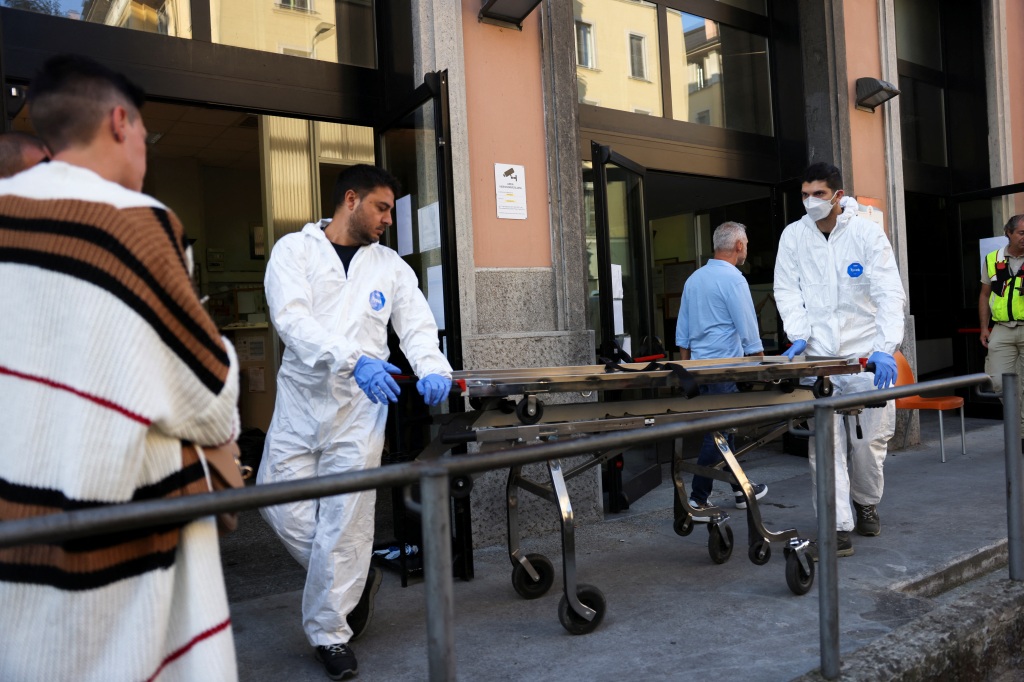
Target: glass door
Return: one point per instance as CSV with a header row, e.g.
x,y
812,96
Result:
x,y
413,146
979,218
620,306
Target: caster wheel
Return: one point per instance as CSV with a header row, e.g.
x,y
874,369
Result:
x,y
821,389
760,552
476,403
683,526
786,386
719,543
576,624
798,580
460,487
525,586
522,411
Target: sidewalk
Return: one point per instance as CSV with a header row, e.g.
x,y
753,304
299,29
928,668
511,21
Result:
x,y
671,613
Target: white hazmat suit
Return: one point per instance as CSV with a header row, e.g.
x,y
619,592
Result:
x,y
843,295
323,422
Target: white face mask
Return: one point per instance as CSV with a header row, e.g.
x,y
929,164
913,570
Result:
x,y
818,209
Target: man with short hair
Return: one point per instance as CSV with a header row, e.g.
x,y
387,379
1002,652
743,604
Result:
x,y
331,291
111,376
839,294
1001,305
20,151
717,320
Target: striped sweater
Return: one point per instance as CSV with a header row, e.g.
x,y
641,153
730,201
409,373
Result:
x,y
108,362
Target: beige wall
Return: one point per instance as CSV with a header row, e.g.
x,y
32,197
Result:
x,y
1015,79
505,112
866,133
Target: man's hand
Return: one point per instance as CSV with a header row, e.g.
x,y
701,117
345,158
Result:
x,y
885,369
434,388
985,333
796,349
374,377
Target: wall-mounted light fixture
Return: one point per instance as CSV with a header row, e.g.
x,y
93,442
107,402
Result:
x,y
871,92
507,13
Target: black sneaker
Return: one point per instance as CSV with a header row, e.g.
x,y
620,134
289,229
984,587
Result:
x,y
339,661
843,546
867,519
359,618
760,490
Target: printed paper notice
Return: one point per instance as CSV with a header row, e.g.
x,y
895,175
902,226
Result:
x,y
435,294
250,348
403,216
430,227
256,383
510,190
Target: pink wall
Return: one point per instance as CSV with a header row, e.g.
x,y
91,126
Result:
x,y
506,125
1015,61
866,129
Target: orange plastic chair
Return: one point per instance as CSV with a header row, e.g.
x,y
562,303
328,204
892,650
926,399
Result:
x,y
904,376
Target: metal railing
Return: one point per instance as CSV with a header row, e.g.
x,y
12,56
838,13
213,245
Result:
x,y
434,477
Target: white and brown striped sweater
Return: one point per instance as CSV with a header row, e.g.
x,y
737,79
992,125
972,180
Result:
x,y
108,362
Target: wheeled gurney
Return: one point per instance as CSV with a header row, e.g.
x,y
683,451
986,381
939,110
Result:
x,y
497,422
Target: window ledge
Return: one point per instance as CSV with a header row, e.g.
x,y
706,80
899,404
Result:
x,y
289,9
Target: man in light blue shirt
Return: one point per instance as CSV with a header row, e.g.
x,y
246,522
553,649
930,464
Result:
x,y
717,320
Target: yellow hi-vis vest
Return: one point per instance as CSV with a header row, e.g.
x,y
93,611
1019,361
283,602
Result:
x,y
1007,298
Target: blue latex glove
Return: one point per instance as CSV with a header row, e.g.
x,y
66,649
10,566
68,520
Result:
x,y
796,349
434,388
885,369
374,377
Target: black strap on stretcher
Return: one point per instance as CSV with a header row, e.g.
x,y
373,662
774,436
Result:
x,y
686,380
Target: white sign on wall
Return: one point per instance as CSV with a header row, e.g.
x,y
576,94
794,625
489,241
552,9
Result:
x,y
510,190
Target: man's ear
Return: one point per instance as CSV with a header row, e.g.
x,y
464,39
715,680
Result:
x,y
118,122
351,199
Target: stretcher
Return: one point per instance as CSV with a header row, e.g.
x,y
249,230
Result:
x,y
508,410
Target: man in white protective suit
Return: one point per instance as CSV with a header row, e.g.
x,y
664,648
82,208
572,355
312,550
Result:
x,y
331,290
840,295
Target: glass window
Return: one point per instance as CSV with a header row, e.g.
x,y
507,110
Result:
x,y
341,31
923,122
637,57
756,6
166,17
918,36
585,45
627,30
719,74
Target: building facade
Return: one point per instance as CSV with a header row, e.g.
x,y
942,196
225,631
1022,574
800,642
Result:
x,y
637,127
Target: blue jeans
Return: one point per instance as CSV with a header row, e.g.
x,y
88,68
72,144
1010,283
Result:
x,y
709,454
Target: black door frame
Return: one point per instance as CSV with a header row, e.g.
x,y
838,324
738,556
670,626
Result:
x,y
601,155
435,88
194,71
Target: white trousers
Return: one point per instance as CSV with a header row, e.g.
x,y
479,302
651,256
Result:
x,y
331,537
858,461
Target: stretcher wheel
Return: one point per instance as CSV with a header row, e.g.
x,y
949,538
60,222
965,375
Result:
x,y
719,544
683,526
760,552
525,417
821,389
525,586
576,624
799,581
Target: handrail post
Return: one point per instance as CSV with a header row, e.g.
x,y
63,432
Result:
x,y
828,583
1014,476
437,572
